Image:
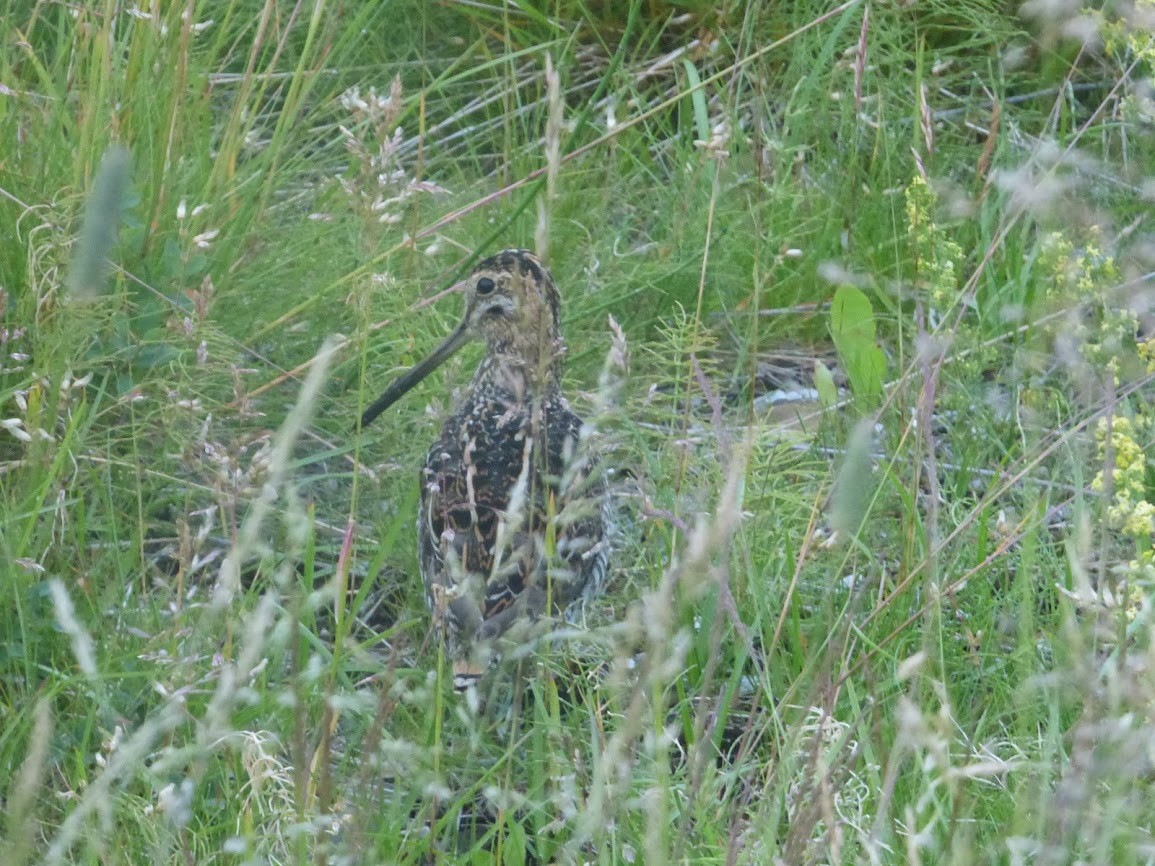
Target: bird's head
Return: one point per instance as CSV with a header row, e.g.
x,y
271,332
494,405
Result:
x,y
512,304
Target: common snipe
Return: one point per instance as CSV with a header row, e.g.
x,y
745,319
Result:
x,y
513,517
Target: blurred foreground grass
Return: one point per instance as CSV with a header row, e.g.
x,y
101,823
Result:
x,y
884,272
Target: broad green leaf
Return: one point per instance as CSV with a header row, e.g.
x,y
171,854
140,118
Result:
x,y
852,327
851,319
869,372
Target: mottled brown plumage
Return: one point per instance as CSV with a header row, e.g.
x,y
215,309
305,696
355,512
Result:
x,y
513,519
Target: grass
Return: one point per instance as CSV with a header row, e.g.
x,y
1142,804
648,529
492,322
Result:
x,y
900,615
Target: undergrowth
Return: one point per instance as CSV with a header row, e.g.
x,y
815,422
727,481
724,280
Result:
x,y
858,300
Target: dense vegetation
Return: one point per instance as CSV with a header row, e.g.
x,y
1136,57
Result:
x,y
859,299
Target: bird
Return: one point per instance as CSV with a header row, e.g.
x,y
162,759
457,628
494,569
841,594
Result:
x,y
514,513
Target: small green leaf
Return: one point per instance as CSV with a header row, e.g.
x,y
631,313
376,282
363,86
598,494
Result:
x,y
513,852
155,355
698,100
824,382
170,257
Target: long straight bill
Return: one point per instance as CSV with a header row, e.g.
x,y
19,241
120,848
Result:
x,y
416,373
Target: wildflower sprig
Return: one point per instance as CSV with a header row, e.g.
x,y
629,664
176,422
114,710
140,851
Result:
x,y
1100,331
938,258
1130,43
1129,509
1146,352
939,266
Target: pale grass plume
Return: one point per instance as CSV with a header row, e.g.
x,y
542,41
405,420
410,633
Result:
x,y
652,623
98,234
20,826
853,486
82,646
553,129
97,798
295,423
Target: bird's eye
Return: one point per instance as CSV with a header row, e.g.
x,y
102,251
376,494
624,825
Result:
x,y
485,285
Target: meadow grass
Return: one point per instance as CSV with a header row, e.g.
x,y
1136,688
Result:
x,y
858,298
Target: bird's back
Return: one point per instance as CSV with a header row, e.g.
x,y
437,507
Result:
x,y
491,483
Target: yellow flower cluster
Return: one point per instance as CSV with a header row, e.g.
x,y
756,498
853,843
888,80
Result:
x,y
1087,271
939,258
1126,41
1105,332
1129,509
1140,577
1147,353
